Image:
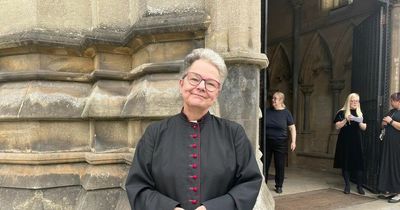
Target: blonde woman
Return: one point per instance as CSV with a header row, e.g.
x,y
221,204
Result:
x,y
278,121
348,156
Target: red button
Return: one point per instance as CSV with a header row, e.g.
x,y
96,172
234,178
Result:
x,y
193,146
194,189
194,155
194,136
194,177
194,126
194,165
193,201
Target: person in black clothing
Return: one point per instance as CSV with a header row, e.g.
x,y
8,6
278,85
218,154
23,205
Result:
x,y
278,121
195,160
389,172
348,155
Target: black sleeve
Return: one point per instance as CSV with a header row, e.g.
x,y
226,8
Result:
x,y
140,183
243,194
289,120
339,116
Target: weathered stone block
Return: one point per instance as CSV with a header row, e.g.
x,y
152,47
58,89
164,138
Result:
x,y
40,177
14,93
21,199
153,96
54,99
99,199
110,136
111,19
20,63
136,129
61,15
65,63
44,136
104,176
113,62
25,13
62,136
162,52
107,99
123,202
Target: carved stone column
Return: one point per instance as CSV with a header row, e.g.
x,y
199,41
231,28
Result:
x,y
297,11
232,37
307,90
336,87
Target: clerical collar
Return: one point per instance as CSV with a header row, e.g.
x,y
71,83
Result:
x,y
202,119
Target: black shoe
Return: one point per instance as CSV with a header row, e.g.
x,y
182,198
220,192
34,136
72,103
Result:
x,y
346,189
386,197
278,190
360,191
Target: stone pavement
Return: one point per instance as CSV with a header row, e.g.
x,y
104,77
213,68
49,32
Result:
x,y
301,180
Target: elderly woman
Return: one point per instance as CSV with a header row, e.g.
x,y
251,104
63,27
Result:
x,y
195,160
278,121
348,155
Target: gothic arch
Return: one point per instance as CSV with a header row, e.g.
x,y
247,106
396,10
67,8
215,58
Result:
x,y
343,54
314,97
317,59
280,66
280,73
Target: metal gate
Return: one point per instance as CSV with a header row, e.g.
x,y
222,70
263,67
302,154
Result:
x,y
369,73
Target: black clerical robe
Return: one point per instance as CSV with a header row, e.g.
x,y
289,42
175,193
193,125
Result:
x,y
188,164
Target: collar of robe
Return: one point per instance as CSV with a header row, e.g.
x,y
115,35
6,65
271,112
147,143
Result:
x,y
202,120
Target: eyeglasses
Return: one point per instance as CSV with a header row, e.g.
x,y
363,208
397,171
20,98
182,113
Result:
x,y
195,79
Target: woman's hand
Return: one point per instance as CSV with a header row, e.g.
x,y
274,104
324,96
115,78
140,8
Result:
x,y
363,126
293,146
340,124
198,208
386,120
292,129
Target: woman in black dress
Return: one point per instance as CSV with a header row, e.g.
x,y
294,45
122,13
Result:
x,y
389,174
348,155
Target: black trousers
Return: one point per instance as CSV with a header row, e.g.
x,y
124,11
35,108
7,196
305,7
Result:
x,y
279,149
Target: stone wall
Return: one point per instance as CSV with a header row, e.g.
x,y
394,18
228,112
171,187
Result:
x,y
79,83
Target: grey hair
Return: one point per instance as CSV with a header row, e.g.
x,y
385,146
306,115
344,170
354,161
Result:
x,y
209,55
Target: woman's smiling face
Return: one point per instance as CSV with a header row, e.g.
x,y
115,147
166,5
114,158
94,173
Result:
x,y
197,96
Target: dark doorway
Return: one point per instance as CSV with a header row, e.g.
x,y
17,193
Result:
x,y
369,73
